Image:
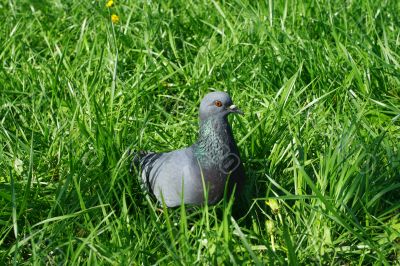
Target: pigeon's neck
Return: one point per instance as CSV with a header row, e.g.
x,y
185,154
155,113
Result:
x,y
215,141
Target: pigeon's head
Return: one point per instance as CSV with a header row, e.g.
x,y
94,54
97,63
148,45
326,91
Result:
x,y
217,103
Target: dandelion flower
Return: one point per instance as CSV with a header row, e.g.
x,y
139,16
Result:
x,y
110,3
114,18
273,204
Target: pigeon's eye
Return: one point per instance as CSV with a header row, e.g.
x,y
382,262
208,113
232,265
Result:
x,y
218,103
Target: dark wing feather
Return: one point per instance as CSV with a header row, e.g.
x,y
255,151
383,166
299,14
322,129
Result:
x,y
144,160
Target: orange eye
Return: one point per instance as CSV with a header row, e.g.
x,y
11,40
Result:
x,y
218,103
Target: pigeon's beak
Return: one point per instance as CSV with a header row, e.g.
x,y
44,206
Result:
x,y
233,109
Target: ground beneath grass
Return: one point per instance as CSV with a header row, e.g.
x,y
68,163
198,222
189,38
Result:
x,y
83,82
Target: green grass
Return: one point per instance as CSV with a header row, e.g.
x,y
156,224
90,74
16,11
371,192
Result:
x,y
319,82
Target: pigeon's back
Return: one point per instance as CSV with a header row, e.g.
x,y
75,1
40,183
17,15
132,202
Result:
x,y
165,174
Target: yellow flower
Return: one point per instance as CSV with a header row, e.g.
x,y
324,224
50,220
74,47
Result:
x,y
273,204
110,3
114,18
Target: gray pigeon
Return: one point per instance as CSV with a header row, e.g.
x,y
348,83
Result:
x,y
209,163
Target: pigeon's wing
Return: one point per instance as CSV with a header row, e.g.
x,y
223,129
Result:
x,y
164,173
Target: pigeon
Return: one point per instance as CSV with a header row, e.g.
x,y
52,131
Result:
x,y
203,170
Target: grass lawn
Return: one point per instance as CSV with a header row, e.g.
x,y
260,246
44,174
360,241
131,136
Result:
x,y
319,82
